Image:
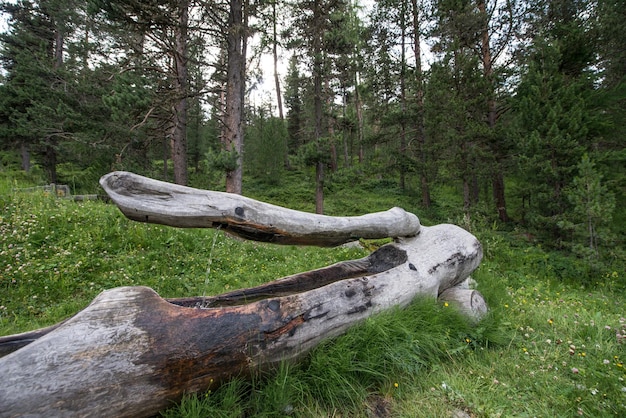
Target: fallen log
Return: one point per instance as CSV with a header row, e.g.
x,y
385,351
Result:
x,y
147,200
130,353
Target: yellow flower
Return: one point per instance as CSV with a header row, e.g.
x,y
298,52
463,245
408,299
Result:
x,y
395,385
550,321
445,304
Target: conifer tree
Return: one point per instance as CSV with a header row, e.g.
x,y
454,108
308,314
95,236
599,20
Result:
x,y
295,106
592,210
266,141
460,119
37,108
557,120
166,24
317,33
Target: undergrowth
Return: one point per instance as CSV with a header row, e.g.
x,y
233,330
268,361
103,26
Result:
x,y
553,343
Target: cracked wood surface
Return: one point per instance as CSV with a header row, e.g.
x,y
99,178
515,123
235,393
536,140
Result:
x,y
146,200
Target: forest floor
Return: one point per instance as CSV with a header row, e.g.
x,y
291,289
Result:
x,y
553,343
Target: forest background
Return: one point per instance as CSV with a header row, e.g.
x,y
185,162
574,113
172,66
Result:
x,y
520,107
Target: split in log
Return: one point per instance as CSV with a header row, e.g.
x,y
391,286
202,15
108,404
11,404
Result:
x,y
130,353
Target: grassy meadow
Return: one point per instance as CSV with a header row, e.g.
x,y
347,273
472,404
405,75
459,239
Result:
x,y
553,344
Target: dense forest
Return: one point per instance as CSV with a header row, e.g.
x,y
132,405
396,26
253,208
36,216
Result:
x,y
516,106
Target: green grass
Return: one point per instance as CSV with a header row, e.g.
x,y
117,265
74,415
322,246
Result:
x,y
551,345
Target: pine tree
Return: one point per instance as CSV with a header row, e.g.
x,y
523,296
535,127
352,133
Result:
x,y
556,119
459,122
167,23
295,107
592,210
317,33
38,108
453,121
266,141
389,84
612,93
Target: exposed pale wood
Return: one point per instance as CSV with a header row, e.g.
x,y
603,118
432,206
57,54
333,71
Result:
x,y
131,353
469,301
11,343
147,200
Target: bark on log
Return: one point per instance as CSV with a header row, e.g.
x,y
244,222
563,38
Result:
x,y
146,200
130,353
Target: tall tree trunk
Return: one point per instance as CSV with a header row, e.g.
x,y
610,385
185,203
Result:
x,y
419,102
25,154
179,128
317,105
331,129
487,61
233,120
403,107
50,151
358,105
279,99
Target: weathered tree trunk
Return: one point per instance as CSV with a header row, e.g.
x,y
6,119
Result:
x,y
130,353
